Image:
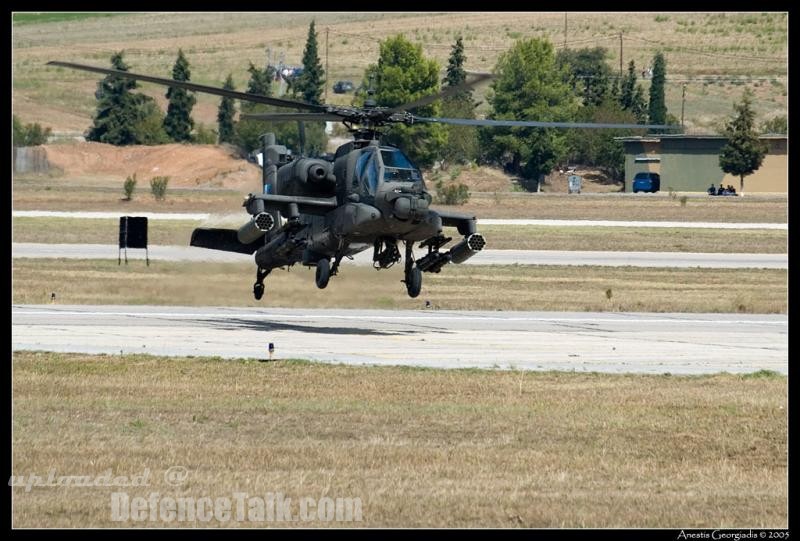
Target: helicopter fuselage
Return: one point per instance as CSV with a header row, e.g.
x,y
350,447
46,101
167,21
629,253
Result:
x,y
379,194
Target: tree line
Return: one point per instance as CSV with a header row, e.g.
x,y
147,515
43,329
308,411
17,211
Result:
x,y
531,82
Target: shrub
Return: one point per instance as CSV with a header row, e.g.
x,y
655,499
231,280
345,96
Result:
x,y
451,194
29,135
158,185
129,186
204,135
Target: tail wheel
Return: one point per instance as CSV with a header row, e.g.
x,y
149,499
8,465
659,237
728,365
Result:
x,y
323,273
414,282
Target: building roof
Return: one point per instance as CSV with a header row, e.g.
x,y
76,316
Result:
x,y
658,138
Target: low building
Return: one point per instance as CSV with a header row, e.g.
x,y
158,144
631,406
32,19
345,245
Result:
x,y
690,163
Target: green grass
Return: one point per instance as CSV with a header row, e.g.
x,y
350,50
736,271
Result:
x,y
39,18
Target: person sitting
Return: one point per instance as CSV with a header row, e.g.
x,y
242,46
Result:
x,y
721,190
731,190
712,190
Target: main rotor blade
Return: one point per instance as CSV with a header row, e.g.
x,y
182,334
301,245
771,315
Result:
x,y
193,86
282,117
538,124
447,92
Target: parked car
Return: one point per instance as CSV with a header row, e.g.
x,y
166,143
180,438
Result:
x,y
342,87
646,182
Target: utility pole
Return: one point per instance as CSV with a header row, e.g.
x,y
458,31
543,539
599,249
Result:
x,y
683,102
565,30
327,73
620,56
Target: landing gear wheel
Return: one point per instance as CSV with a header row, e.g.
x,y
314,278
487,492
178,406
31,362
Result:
x,y
323,273
258,291
414,282
258,287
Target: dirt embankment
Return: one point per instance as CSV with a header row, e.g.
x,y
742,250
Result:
x,y
494,179
186,165
219,166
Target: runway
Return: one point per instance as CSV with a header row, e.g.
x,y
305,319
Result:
x,y
486,257
582,342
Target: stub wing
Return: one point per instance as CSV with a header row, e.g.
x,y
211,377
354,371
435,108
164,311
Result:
x,y
223,239
464,223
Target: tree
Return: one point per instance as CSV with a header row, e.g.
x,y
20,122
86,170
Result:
x,y
148,127
310,84
225,114
599,148
178,123
125,118
658,109
403,75
744,151
113,122
248,132
462,141
528,86
455,66
29,135
587,72
631,96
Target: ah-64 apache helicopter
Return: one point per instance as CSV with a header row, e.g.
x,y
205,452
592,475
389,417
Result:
x,y
369,195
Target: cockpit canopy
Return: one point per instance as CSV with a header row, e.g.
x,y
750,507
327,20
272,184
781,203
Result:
x,y
385,164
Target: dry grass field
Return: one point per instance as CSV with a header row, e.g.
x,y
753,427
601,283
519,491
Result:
x,y
420,448
31,192
466,287
44,193
768,209
716,54
505,237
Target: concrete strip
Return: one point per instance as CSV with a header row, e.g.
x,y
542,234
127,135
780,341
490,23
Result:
x,y
486,257
583,342
635,225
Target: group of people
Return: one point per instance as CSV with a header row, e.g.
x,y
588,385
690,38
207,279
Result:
x,y
722,190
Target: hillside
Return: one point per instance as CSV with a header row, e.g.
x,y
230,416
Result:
x,y
716,55
188,166
215,166
483,179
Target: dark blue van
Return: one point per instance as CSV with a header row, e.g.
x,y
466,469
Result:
x,y
646,182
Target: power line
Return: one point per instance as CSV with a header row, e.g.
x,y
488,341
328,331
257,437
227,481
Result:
x,y
708,53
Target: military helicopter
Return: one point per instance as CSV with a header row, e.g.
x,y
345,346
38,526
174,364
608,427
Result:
x,y
317,212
